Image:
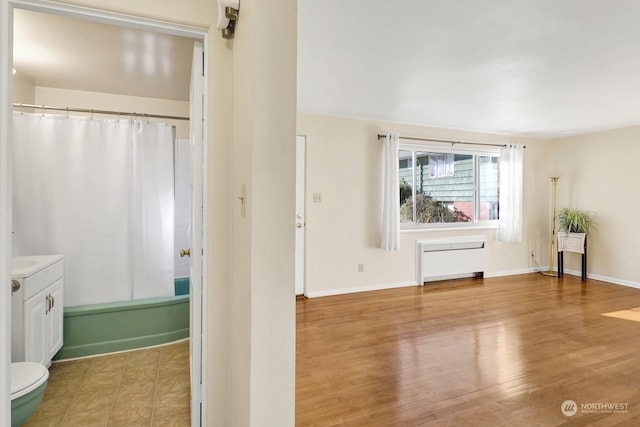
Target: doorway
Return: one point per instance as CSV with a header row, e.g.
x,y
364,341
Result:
x,y
199,170
301,142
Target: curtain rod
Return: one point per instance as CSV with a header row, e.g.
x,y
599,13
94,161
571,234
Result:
x,y
91,111
380,136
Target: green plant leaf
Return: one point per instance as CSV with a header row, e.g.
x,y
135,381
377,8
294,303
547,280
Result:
x,y
572,220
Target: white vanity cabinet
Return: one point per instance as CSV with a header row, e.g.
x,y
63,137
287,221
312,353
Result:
x,y
42,327
55,320
37,308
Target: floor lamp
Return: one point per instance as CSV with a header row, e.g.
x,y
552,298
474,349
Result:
x,y
552,235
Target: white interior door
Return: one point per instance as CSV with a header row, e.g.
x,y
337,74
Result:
x,y
300,215
196,116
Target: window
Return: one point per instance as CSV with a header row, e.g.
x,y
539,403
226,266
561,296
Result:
x,y
453,187
440,165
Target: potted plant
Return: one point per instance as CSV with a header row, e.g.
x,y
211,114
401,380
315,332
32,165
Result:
x,y
575,221
573,225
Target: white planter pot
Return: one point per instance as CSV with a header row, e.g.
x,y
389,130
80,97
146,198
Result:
x,y
571,242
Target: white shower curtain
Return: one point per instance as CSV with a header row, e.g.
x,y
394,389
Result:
x,y
100,192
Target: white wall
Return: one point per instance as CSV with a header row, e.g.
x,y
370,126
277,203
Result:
x,y
263,295
344,165
273,181
23,90
113,102
599,173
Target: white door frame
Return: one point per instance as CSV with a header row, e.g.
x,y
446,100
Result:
x,y
301,142
196,237
6,98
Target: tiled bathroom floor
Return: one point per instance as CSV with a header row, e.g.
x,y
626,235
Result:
x,y
148,387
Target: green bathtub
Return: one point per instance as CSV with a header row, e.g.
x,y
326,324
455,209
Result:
x,y
105,328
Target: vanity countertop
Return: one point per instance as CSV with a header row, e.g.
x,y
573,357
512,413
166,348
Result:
x,y
25,266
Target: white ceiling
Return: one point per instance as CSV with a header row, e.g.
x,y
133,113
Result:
x,y
61,52
540,68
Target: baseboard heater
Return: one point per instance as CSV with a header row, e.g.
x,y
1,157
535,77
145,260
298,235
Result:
x,y
450,258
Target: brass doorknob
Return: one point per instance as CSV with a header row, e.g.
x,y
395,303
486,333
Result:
x,y
186,252
299,224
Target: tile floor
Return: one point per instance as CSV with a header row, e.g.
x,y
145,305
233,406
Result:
x,y
147,387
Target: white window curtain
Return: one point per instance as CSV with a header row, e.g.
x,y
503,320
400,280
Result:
x,y
390,194
99,192
511,188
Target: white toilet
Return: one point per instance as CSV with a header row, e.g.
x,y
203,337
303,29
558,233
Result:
x,y
28,382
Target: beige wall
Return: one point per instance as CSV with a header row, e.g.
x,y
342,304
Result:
x,y
23,89
241,302
250,305
263,301
343,164
274,65
599,172
107,101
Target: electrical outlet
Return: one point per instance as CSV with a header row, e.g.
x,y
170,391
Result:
x,y
317,198
360,268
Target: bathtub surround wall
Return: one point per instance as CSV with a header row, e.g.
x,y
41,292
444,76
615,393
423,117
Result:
x,y
181,285
101,193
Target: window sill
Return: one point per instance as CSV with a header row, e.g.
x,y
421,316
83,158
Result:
x,y
449,228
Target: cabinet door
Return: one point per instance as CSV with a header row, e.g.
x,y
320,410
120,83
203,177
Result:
x,y
35,330
55,318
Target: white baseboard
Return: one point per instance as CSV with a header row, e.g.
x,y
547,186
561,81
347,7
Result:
x,y
383,286
380,287
607,279
513,272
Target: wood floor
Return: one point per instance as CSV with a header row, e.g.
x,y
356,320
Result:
x,y
504,351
